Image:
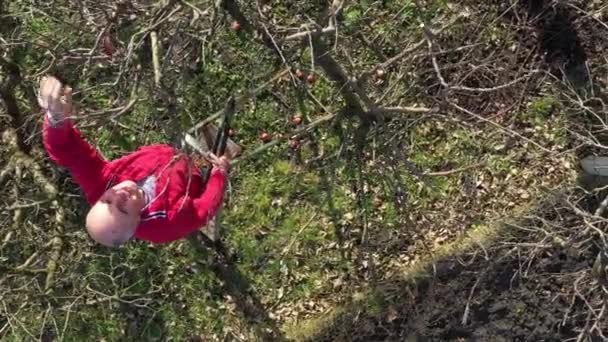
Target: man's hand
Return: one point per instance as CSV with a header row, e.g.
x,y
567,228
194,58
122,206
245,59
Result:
x,y
221,163
55,99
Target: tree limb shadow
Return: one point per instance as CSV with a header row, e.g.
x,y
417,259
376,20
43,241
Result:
x,y
239,288
487,294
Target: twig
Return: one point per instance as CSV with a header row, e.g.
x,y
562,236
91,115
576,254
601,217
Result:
x,y
31,258
431,45
507,130
4,173
293,239
52,193
7,95
312,53
22,270
403,53
141,35
451,172
41,180
602,207
26,205
51,266
46,69
67,317
114,112
318,102
90,53
465,316
137,302
155,60
429,36
239,101
496,88
23,326
297,133
280,52
587,14
302,34
400,109
79,58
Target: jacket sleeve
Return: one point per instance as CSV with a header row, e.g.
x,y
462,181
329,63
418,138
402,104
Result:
x,y
193,213
66,147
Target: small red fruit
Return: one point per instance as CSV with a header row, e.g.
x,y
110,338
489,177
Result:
x,y
265,137
299,73
297,120
236,25
311,78
294,144
107,46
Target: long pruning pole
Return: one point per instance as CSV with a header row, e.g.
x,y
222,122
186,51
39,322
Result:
x,y
221,138
219,148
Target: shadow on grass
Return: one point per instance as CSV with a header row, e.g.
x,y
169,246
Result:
x,y
511,282
327,179
354,161
143,325
238,287
526,280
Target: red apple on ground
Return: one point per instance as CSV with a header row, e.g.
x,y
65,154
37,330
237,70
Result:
x,y
311,78
294,143
265,137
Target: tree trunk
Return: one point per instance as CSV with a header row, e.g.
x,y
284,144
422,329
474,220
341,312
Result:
x,y
9,79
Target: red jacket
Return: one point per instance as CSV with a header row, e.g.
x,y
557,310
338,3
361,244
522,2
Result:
x,y
174,212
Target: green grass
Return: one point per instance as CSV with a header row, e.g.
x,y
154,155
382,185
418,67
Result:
x,y
293,228
274,213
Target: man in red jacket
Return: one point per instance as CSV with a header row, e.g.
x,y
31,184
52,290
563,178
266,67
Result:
x,y
154,194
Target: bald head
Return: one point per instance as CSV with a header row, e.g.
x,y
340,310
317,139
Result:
x,y
114,218
107,228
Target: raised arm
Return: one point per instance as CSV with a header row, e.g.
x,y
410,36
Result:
x,y
65,144
193,213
